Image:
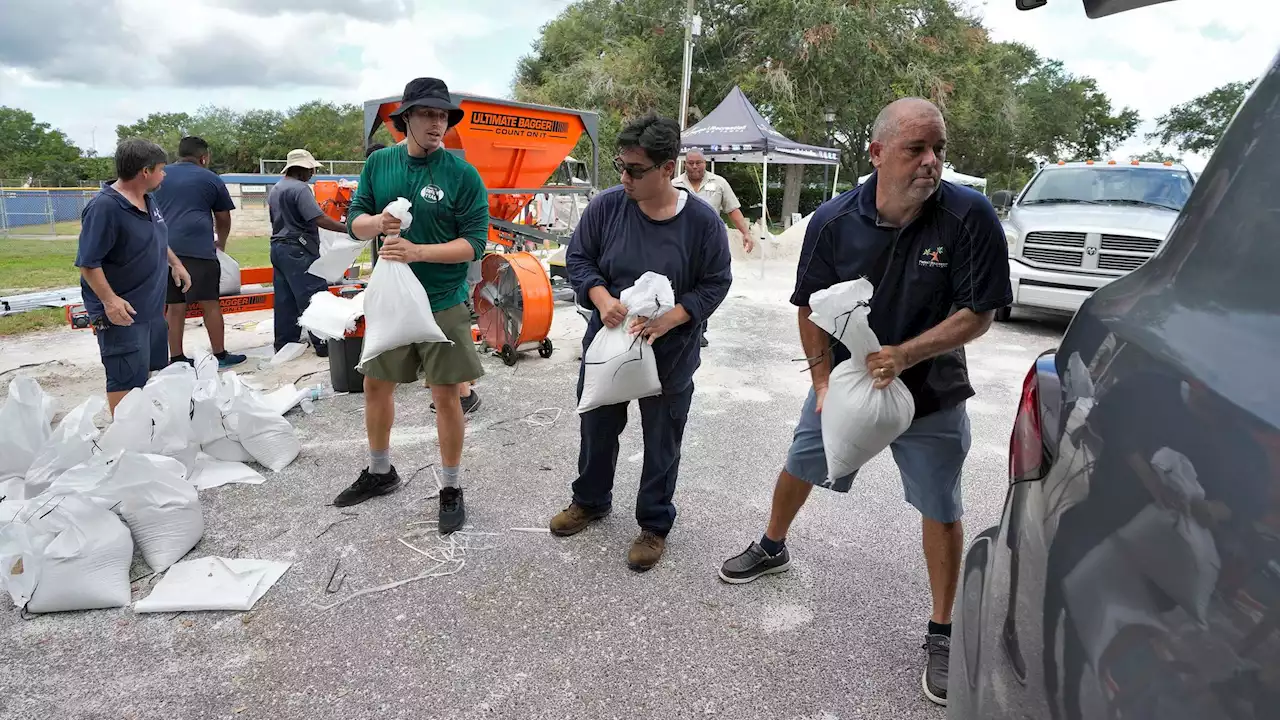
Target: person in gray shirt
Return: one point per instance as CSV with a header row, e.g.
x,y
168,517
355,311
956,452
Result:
x,y
295,243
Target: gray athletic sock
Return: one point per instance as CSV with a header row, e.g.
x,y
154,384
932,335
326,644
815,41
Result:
x,y
450,476
380,461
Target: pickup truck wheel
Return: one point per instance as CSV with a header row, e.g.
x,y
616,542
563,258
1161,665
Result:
x,y
1004,313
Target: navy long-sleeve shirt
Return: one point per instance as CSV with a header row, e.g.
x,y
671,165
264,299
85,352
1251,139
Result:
x,y
615,243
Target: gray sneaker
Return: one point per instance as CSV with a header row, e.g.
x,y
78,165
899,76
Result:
x,y
937,667
753,563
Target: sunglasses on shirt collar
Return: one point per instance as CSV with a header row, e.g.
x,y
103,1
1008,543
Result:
x,y
635,172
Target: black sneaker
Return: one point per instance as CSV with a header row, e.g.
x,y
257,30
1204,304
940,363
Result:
x,y
753,563
175,359
322,349
453,511
226,360
934,679
368,485
703,341
470,403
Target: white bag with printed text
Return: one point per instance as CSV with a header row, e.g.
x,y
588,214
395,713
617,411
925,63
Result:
x,y
397,311
858,421
619,367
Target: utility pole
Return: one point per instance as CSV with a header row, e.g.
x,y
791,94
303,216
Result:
x,y
692,28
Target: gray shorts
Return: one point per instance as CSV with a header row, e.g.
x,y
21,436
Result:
x,y
929,455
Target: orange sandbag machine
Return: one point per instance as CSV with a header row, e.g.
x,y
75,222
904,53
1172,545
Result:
x,y
516,147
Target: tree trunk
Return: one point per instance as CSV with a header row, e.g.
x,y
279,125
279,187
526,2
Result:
x,y
791,192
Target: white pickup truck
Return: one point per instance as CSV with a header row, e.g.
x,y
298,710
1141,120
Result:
x,y
1077,226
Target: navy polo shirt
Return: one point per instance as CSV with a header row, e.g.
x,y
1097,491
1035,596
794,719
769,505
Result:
x,y
187,199
953,255
131,246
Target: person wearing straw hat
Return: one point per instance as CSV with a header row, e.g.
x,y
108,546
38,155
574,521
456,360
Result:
x,y
295,244
450,228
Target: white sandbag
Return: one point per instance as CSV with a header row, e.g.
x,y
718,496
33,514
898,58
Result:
x,y
228,274
206,417
25,419
131,428
212,583
171,391
330,317
288,353
206,366
161,509
397,311
66,553
210,472
858,421
337,257
618,366
285,398
71,443
269,438
227,450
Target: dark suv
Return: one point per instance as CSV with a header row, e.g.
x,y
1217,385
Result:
x,y
1136,570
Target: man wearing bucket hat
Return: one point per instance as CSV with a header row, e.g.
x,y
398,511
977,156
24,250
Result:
x,y
450,226
295,244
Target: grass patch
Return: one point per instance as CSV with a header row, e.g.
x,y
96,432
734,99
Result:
x,y
31,321
27,265
65,229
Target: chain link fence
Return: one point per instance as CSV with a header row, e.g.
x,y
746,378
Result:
x,y
331,167
42,212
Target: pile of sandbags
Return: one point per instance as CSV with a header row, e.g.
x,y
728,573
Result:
x,y
76,501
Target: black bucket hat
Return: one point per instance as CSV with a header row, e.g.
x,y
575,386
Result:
x,y
428,92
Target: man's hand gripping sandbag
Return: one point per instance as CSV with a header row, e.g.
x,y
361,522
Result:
x,y
397,311
618,366
858,421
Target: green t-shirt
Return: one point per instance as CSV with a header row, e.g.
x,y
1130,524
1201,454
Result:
x,y
449,202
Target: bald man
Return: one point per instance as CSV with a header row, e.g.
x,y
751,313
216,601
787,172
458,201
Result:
x,y
717,193
937,257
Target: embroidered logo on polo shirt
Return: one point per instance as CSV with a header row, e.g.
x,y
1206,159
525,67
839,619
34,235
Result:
x,y
934,257
432,193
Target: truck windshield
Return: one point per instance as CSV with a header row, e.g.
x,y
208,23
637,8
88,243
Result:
x,y
1151,186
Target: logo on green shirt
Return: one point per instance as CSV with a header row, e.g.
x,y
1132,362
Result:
x,y
432,193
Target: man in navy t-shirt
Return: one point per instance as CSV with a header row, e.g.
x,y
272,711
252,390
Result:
x,y
125,264
645,225
938,259
196,205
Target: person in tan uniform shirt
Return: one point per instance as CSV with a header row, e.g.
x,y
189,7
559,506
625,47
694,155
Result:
x,y
716,192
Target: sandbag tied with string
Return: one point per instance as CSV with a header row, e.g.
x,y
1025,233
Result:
x,y
858,420
619,367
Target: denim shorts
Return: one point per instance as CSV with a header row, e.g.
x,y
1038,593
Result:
x,y
131,352
930,456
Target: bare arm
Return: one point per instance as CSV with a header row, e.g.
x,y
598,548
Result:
x,y
367,226
97,281
329,223
222,228
174,262
740,222
964,326
458,250
817,349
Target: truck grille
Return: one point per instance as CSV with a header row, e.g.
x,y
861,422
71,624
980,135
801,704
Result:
x,y
1051,256
1127,243
1123,263
1057,239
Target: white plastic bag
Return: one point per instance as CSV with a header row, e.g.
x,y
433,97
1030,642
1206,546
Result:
x,y
161,509
330,317
72,443
65,553
618,366
229,274
339,254
212,583
210,473
858,421
397,311
288,353
25,419
269,438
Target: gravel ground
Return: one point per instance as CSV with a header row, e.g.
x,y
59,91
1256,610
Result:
x,y
533,626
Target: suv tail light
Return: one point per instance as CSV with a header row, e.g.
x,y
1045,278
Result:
x,y
1026,446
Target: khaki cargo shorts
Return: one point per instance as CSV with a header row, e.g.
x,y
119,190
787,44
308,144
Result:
x,y
437,363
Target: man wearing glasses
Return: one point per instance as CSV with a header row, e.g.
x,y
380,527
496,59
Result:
x,y
644,225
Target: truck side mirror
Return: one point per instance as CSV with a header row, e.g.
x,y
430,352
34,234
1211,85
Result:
x,y
1002,199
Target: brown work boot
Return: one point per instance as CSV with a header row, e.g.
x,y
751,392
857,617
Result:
x,y
574,519
646,551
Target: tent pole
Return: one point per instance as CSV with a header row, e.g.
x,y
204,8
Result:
x,y
835,180
764,212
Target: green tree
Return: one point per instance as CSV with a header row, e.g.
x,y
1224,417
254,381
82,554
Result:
x,y
1156,155
30,149
1196,125
329,131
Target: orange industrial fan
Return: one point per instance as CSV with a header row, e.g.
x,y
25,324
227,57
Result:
x,y
514,305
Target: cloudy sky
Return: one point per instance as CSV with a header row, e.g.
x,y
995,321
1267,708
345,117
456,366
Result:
x,y
87,65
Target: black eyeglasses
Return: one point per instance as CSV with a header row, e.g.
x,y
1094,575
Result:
x,y
635,172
